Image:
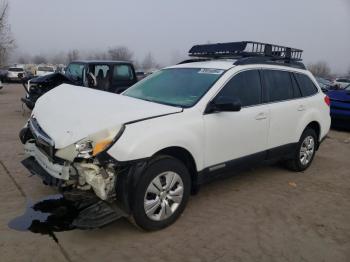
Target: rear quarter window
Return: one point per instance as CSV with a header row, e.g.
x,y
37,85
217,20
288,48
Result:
x,y
307,87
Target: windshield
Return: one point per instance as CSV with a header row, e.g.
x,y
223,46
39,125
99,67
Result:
x,y
181,87
75,71
45,68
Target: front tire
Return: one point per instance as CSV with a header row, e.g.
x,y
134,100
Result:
x,y
305,151
161,193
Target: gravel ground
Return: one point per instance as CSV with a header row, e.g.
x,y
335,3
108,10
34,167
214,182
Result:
x,y
264,214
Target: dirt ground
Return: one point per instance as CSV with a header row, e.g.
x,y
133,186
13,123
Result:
x,y
265,214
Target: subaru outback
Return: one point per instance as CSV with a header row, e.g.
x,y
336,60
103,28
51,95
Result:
x,y
147,149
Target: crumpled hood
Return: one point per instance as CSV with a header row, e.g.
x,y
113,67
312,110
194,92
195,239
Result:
x,y
70,113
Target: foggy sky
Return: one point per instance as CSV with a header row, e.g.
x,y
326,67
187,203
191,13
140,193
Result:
x,y
169,28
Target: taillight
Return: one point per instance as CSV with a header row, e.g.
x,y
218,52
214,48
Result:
x,y
327,100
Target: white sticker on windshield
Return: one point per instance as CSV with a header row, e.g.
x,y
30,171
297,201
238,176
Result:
x,y
211,71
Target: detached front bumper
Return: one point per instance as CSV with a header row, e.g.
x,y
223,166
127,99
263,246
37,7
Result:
x,y
93,212
35,169
57,171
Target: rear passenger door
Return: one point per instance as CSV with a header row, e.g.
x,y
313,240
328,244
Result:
x,y
286,105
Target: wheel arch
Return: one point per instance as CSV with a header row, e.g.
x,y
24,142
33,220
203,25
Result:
x,y
186,158
317,128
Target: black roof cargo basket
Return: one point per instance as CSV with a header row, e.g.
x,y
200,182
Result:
x,y
245,49
249,52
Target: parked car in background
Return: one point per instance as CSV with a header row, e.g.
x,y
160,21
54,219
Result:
x,y
341,82
340,106
110,76
146,149
44,70
140,75
324,84
15,74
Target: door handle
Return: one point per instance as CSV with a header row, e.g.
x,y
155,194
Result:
x,y
261,116
301,108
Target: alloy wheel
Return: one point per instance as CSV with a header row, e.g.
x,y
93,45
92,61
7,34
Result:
x,y
163,196
307,150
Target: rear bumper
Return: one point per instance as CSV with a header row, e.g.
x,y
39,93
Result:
x,y
10,78
342,122
341,117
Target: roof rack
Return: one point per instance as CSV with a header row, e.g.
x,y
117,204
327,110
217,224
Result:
x,y
250,52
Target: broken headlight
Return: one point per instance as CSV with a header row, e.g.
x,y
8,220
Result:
x,y
84,149
101,145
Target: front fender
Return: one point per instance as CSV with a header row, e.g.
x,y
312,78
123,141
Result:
x,y
143,139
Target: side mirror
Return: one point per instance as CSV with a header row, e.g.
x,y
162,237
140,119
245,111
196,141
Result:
x,y
223,104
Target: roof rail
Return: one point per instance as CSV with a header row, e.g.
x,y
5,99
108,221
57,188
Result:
x,y
194,60
246,49
269,61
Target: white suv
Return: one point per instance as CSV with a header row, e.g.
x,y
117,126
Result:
x,y
149,147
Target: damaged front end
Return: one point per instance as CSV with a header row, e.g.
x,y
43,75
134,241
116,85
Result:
x,y
83,173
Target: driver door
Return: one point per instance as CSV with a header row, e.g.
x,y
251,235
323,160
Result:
x,y
233,135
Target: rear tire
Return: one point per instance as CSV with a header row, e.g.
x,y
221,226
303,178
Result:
x,y
305,151
161,193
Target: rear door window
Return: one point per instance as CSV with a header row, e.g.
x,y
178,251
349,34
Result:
x,y
278,85
306,86
245,86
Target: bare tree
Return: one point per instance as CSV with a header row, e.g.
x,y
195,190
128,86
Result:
x,y
321,69
7,42
120,53
39,59
24,59
72,55
58,58
149,62
97,55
